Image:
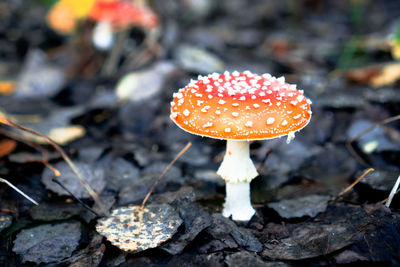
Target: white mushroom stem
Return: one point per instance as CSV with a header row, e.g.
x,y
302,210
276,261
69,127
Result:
x,y
237,169
103,37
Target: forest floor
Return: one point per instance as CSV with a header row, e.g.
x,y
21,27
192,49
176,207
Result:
x,y
343,54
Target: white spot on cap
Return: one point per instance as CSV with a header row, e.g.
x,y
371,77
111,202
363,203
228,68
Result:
x,y
235,104
242,98
267,101
186,112
284,122
294,103
235,114
205,109
227,130
198,95
207,125
249,124
221,102
174,115
178,95
309,101
262,94
281,79
297,116
300,98
218,112
256,105
200,102
172,103
270,120
253,97
210,96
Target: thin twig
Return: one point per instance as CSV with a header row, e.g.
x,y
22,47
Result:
x,y
156,183
353,184
74,197
91,192
262,164
113,58
19,191
366,130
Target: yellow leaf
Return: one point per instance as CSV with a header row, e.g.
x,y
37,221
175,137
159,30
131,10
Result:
x,y
80,8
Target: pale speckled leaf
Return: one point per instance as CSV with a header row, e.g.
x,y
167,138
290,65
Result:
x,y
159,223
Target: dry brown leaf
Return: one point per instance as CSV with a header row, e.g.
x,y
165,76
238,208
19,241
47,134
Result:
x,y
363,75
375,75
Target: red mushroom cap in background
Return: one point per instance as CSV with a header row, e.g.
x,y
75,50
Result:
x,y
123,14
240,106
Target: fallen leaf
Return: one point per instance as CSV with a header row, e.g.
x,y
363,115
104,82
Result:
x,y
93,174
7,146
302,206
7,87
388,75
39,78
67,134
48,243
121,228
143,85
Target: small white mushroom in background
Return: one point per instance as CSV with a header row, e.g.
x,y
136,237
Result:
x,y
239,122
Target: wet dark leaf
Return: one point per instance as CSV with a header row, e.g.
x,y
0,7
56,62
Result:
x,y
381,179
245,258
39,78
226,234
342,226
91,255
55,211
301,206
48,243
93,174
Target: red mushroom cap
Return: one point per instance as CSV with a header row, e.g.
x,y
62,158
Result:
x,y
240,106
123,13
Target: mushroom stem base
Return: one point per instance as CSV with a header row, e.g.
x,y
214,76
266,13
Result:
x,y
237,202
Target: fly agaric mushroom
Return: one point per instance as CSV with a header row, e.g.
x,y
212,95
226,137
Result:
x,y
240,107
117,15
